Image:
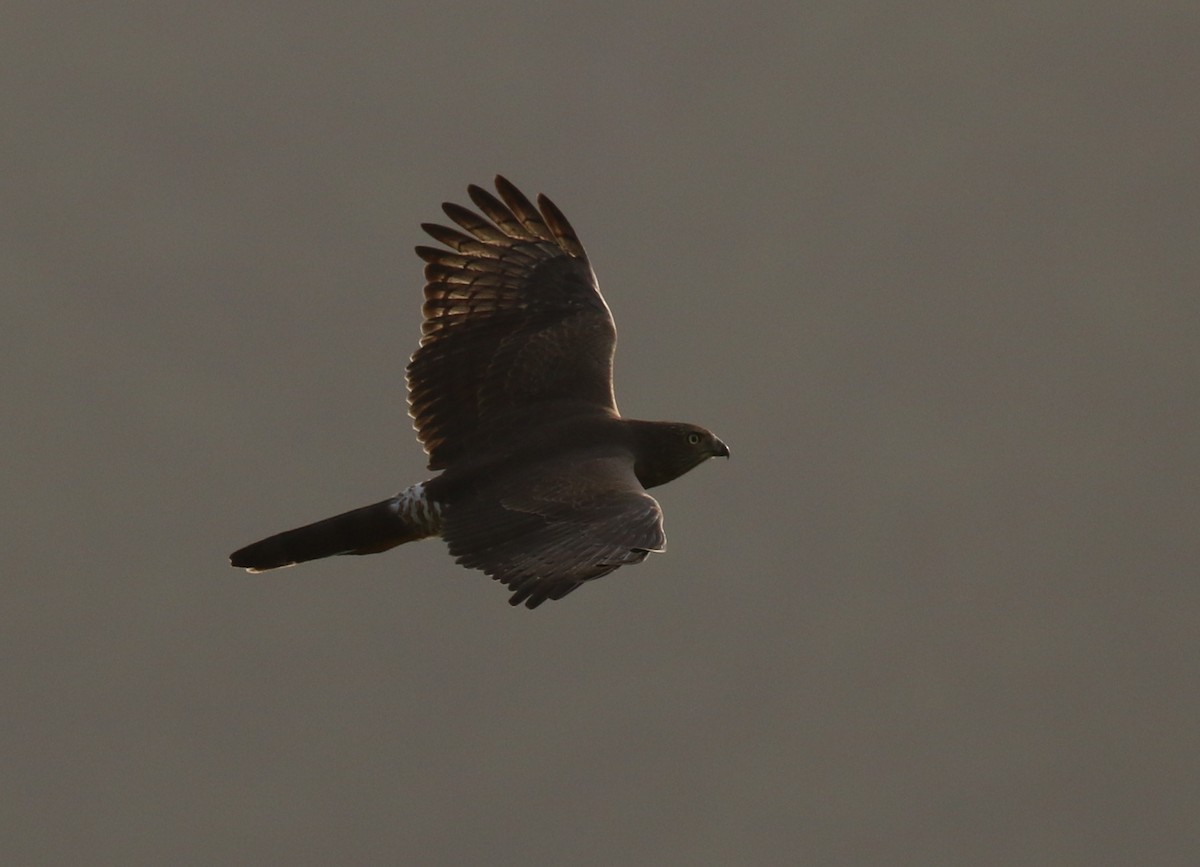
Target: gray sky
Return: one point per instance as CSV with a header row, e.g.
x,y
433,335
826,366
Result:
x,y
930,271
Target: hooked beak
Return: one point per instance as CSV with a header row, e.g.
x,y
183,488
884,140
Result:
x,y
720,450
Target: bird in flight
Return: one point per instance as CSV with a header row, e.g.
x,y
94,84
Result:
x,y
543,483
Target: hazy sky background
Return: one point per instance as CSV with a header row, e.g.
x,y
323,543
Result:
x,y
931,271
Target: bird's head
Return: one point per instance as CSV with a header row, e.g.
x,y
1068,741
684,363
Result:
x,y
667,450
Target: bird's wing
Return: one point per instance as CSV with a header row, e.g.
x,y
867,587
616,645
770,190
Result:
x,y
514,323
545,530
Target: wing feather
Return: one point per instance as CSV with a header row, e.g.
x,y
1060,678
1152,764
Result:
x,y
514,325
558,525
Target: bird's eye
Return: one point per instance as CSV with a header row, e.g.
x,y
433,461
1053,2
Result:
x,y
693,438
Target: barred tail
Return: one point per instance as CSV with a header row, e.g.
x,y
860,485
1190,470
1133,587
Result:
x,y
367,530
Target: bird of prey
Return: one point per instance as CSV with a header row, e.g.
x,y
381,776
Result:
x,y
542,483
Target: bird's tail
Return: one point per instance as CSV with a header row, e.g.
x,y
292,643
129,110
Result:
x,y
367,530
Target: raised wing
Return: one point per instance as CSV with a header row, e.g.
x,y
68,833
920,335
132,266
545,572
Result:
x,y
562,523
515,326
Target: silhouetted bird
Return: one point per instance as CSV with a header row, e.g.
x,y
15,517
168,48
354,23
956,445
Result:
x,y
543,484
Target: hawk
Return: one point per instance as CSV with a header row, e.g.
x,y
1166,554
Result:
x,y
542,483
